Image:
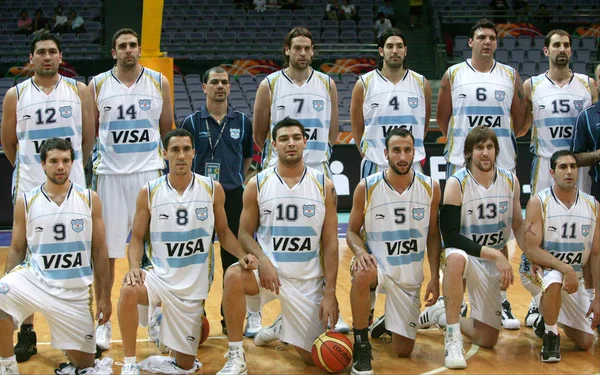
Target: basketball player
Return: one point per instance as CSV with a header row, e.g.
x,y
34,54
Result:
x,y
44,106
388,97
398,208
132,112
301,93
554,99
292,209
562,235
58,232
482,91
486,198
180,210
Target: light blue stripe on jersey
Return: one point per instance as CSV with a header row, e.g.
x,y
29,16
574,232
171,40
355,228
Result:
x,y
316,145
392,120
285,231
178,236
74,273
58,248
556,121
561,143
127,124
299,256
65,131
409,258
186,261
477,110
394,235
135,147
311,123
576,267
564,246
483,228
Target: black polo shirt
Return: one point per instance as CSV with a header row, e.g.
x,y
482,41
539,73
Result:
x,y
586,137
232,143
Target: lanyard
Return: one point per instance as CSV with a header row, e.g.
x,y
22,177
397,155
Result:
x,y
212,149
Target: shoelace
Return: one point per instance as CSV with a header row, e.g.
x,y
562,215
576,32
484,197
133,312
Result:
x,y
129,367
254,319
231,357
456,349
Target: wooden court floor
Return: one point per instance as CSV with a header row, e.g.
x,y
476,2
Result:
x,y
517,352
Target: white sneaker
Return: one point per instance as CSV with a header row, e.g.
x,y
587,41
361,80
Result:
x,y
236,363
130,369
8,367
341,326
253,324
435,314
454,357
532,314
269,334
66,369
104,336
508,320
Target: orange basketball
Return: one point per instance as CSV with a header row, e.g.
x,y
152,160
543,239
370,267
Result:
x,y
332,352
205,330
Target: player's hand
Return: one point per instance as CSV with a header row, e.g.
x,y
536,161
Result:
x,y
594,309
507,277
249,262
134,276
432,292
364,261
328,311
269,279
104,310
570,281
536,271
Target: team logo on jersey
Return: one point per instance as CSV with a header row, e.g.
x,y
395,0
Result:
x,y
145,104
503,207
65,112
418,213
585,230
4,288
234,133
413,102
500,94
202,213
308,210
578,104
77,225
318,105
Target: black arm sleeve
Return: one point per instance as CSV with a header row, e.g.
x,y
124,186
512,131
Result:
x,y
450,227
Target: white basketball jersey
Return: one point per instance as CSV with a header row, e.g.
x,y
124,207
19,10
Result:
x,y
128,136
59,238
555,111
481,99
39,117
486,214
397,225
291,220
568,232
310,104
388,106
180,247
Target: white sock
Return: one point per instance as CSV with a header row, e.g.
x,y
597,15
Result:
x,y
129,360
503,294
453,331
235,345
590,293
552,328
12,359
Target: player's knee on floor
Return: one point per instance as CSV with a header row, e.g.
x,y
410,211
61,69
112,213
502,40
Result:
x,y
402,346
4,315
487,336
185,361
305,356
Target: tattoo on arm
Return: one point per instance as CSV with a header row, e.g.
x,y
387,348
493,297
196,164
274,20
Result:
x,y
444,88
334,196
528,230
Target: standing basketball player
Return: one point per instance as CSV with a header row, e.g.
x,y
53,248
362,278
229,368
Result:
x,y
389,97
562,236
398,208
554,99
292,209
180,210
44,106
58,232
132,112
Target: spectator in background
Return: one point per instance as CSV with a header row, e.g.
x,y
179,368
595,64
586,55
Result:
x,y
290,4
260,5
332,10
500,8
25,24
521,10
40,23
347,11
542,14
60,22
382,24
388,10
273,4
76,23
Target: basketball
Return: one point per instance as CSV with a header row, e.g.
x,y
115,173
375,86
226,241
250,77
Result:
x,y
332,352
205,330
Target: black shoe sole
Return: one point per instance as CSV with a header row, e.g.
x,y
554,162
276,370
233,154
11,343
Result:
x,y
25,356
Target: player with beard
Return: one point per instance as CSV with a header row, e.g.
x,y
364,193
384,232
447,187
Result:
x,y
45,106
554,99
486,199
389,97
398,208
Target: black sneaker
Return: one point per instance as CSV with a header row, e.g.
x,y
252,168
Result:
x,y
26,345
463,310
98,352
378,328
539,327
550,348
361,357
371,317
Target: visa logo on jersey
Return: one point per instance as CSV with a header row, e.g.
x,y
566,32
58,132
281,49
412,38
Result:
x,y
401,247
387,128
184,249
291,244
489,239
62,261
39,143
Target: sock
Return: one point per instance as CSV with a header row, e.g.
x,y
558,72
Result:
x,y
503,294
130,360
590,293
26,327
235,345
453,331
552,328
12,359
361,335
